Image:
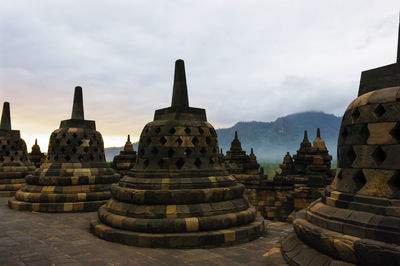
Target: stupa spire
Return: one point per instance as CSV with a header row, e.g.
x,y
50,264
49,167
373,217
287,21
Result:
x,y
35,141
77,108
129,138
5,117
305,136
318,133
236,135
180,95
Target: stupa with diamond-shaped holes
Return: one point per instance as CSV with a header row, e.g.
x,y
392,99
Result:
x,y
75,176
14,162
357,219
179,195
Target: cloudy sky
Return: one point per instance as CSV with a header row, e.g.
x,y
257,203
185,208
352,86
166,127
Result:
x,y
245,59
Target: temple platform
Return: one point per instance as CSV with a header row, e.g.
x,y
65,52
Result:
x,y
33,238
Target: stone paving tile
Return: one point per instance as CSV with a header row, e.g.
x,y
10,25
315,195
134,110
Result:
x,y
32,238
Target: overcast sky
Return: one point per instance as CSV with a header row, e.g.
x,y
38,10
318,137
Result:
x,y
245,60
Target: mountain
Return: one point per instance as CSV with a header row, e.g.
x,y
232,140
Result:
x,y
271,140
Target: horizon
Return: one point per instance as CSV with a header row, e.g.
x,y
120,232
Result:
x,y
266,59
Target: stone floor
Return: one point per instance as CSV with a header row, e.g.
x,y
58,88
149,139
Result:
x,y
31,238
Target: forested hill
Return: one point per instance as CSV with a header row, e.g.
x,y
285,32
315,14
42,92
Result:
x,y
271,140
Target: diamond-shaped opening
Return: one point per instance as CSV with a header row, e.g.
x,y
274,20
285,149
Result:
x,y
212,132
355,114
203,150
394,181
94,136
74,150
100,157
68,141
86,149
91,142
146,163
395,132
85,136
179,163
160,163
163,140
91,157
74,135
57,141
187,130
364,132
172,131
344,133
351,155
195,140
201,130
3,147
187,152
179,141
359,180
379,110
7,153
56,157
62,149
16,153
1,159
80,157
148,140
154,150
379,155
12,158
64,135
67,158
171,152
157,130
95,149
208,140
80,142
147,130
197,162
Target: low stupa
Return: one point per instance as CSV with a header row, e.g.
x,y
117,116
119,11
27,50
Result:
x,y
75,176
126,159
36,156
357,219
14,161
179,195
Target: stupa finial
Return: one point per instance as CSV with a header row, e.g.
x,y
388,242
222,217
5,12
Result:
x,y
305,136
35,141
236,135
318,133
77,109
129,138
180,94
5,117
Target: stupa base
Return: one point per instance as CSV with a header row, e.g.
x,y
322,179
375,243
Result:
x,y
83,206
207,239
9,190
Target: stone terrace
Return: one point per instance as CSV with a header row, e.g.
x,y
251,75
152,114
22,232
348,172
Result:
x,y
31,238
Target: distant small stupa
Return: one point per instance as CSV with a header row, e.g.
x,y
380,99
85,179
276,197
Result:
x,y
126,159
14,161
36,156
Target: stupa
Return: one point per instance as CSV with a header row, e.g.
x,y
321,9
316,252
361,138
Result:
x,y
126,159
179,195
75,176
36,156
357,219
14,162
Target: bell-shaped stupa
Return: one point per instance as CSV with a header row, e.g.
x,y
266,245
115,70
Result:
x,y
179,194
75,176
36,156
357,219
14,161
126,159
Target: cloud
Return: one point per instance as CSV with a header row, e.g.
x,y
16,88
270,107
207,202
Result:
x,y
245,60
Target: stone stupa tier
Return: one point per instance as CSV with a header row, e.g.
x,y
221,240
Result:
x,y
75,176
179,195
14,161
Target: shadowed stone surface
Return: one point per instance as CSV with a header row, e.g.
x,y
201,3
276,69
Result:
x,y
32,238
14,161
75,176
179,195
